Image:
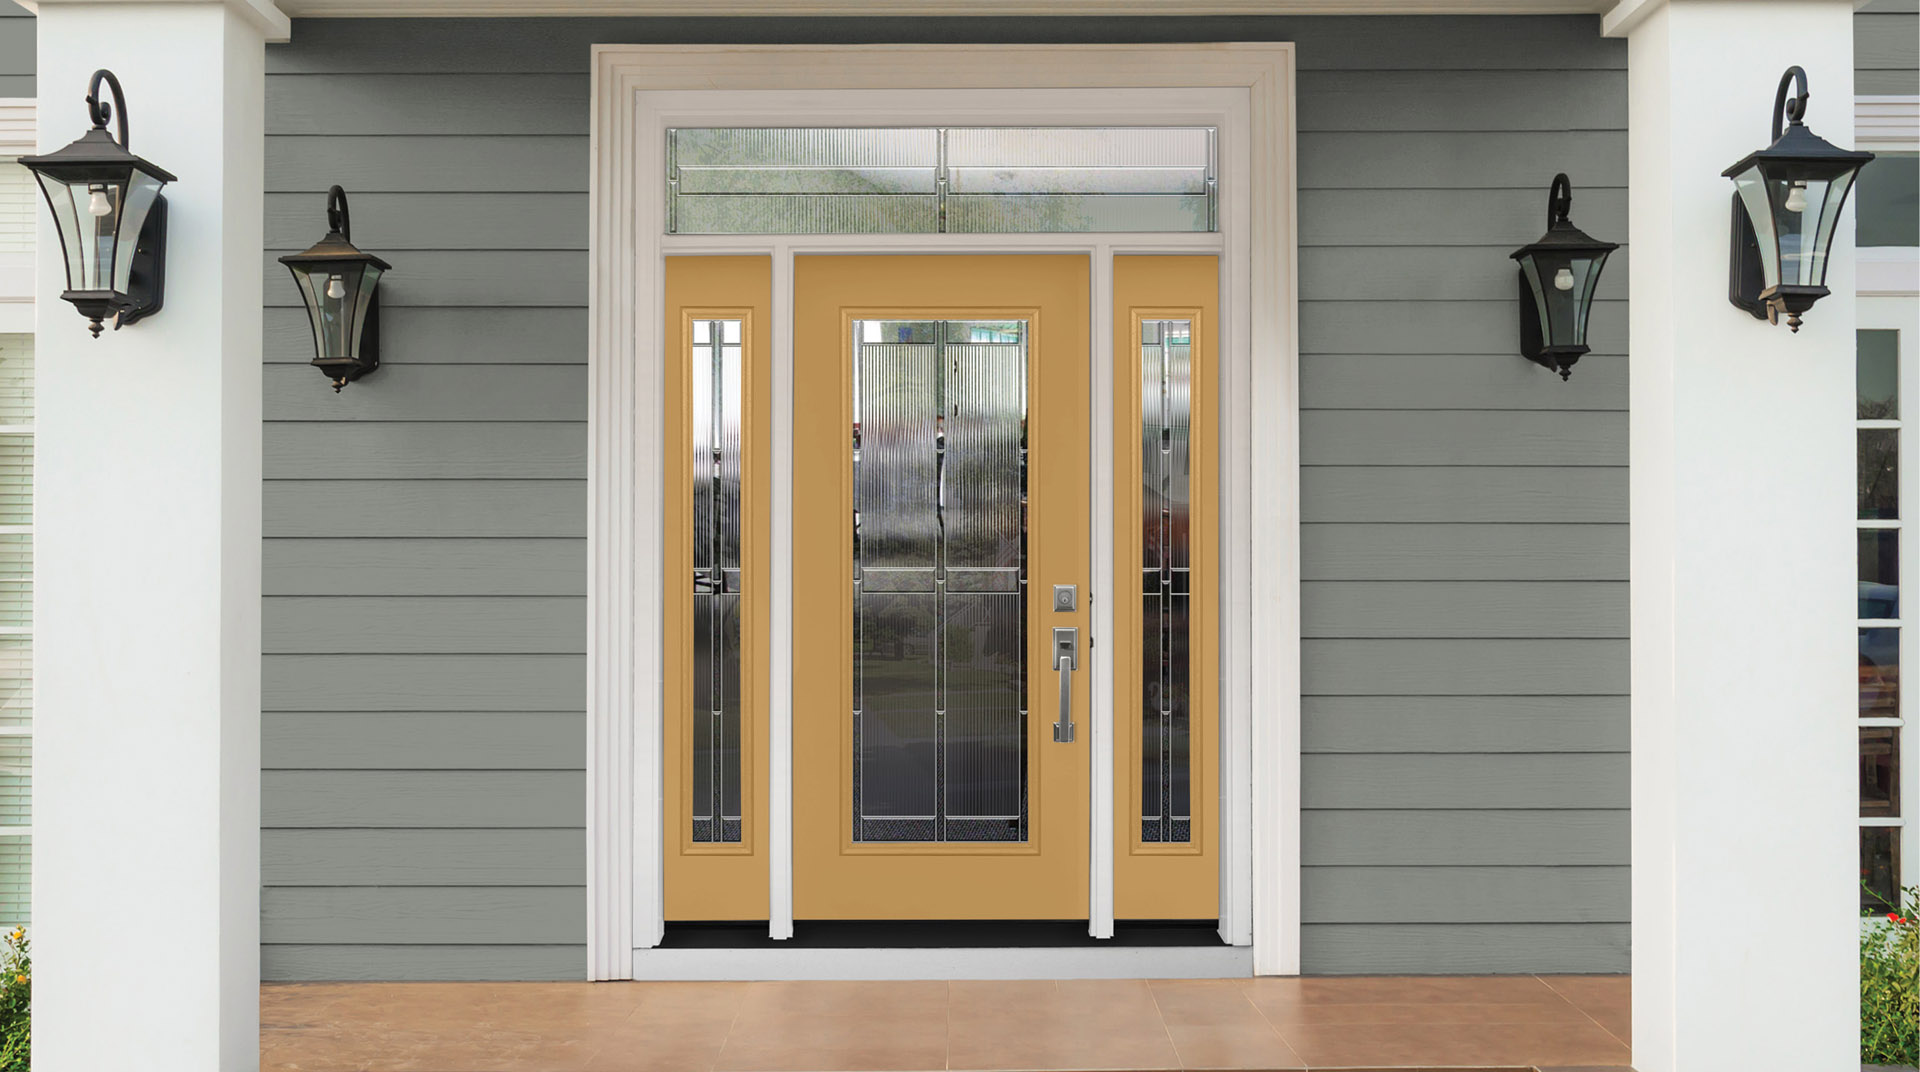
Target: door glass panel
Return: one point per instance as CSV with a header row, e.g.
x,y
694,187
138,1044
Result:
x,y
1879,485
715,455
939,581
926,180
1880,673
1165,569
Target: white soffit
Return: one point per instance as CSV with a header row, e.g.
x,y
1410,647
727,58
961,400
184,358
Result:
x,y
878,8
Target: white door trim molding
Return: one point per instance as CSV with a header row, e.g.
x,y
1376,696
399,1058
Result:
x,y
1260,840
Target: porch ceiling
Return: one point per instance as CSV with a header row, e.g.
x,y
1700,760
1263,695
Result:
x,y
505,8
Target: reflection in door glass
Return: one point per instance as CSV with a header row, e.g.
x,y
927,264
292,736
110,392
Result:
x,y
715,453
939,581
1166,355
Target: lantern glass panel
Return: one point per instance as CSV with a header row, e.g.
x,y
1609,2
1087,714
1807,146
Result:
x,y
336,297
1562,284
141,192
1752,189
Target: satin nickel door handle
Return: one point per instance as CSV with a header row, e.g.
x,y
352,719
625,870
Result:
x,y
1066,659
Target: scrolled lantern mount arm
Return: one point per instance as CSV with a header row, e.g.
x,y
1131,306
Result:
x,y
1558,275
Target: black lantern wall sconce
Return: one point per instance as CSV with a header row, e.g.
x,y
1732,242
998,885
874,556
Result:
x,y
1557,278
340,286
1786,206
112,220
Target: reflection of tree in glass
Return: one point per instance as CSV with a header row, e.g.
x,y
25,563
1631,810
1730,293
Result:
x,y
1879,483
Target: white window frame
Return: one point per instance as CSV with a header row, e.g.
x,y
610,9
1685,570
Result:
x,y
638,92
1887,297
18,137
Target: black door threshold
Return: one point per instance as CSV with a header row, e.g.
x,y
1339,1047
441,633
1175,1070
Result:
x,y
940,934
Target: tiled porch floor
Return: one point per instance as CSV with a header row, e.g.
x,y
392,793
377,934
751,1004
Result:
x,y
1504,1022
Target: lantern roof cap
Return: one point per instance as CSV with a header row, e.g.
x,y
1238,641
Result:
x,y
94,149
1801,145
334,249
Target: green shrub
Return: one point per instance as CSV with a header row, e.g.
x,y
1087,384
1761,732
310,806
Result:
x,y
1890,985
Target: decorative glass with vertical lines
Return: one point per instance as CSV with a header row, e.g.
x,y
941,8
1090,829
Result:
x,y
1166,359
715,454
939,581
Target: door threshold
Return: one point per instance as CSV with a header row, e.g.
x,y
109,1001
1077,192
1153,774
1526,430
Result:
x,y
1103,961
943,934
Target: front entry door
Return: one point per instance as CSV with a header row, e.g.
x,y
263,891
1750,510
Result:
x,y
940,494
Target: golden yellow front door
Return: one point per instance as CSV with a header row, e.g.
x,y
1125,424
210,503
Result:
x,y
941,491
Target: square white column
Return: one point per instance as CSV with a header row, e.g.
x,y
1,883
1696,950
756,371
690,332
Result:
x,y
1745,894
147,597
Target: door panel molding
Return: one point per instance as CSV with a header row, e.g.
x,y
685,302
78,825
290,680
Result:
x,y
1244,89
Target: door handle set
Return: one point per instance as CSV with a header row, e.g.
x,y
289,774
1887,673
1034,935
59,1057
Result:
x,y
1066,659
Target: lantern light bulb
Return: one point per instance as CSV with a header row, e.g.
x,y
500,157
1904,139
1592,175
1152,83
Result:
x,y
1563,279
336,288
1797,197
97,204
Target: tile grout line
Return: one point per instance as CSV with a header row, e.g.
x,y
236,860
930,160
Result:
x,y
1582,1010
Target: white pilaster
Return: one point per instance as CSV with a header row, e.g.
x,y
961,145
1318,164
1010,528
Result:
x,y
147,602
1744,797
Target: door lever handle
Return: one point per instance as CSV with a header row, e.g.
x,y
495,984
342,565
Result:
x,y
1066,659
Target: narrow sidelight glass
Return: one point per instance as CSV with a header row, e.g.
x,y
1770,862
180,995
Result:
x,y
1166,376
939,581
715,454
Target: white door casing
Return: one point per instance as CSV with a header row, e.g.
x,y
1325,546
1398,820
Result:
x,y
1244,90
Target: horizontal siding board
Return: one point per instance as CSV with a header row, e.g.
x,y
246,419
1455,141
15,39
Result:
x,y
1462,100
432,393
1483,494
437,220
411,450
1885,83
1886,41
456,915
1465,894
534,278
453,508
1497,219
1460,327
1463,838
1458,160
439,857
332,800
1441,949
422,963
1447,667
1490,609
1462,724
1461,782
1452,552
1463,437
1443,381
411,337
424,683
1427,273
423,740
561,45
493,103
406,567
450,163
508,625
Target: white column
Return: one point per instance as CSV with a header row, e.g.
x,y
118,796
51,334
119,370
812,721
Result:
x,y
1742,557
147,609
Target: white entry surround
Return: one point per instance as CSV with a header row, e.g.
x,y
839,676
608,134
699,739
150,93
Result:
x,y
1244,90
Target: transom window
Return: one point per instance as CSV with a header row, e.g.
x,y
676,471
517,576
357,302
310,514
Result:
x,y
938,180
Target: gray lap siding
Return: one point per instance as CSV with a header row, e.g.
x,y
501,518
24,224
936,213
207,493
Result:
x,y
1463,564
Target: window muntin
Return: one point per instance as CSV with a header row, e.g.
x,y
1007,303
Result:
x,y
933,180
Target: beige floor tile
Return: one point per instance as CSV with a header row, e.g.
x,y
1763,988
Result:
x,y
1425,1045
845,1043
1401,990
1214,1047
1606,998
877,1001
1285,1013
1204,1003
